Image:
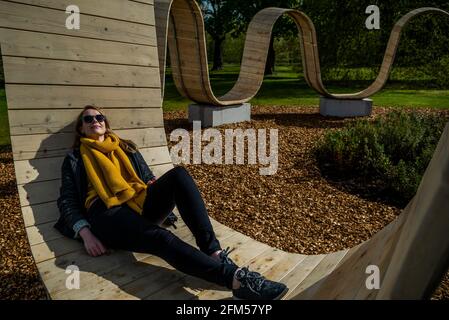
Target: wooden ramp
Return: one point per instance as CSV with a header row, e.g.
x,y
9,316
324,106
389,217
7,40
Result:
x,y
182,21
51,72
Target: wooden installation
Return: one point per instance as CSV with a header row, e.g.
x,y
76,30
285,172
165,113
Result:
x,y
51,72
182,21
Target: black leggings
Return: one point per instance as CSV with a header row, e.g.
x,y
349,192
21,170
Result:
x,y
122,228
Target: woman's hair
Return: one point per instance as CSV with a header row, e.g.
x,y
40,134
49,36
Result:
x,y
126,145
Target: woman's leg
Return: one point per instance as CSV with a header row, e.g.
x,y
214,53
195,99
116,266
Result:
x,y
177,187
121,228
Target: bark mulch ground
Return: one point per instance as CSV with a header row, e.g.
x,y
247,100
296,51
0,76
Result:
x,y
296,209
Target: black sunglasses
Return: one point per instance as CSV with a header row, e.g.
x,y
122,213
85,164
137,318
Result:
x,y
90,119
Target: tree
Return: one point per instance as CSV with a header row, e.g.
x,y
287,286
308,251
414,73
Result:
x,y
219,20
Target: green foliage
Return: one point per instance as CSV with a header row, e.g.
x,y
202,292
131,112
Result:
x,y
439,69
4,125
2,78
233,49
288,52
392,151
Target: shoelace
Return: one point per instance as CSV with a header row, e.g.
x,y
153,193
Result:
x,y
171,219
251,279
224,255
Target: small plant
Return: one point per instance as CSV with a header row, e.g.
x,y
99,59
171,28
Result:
x,y
389,153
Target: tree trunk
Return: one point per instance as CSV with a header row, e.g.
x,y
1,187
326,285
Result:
x,y
269,67
218,54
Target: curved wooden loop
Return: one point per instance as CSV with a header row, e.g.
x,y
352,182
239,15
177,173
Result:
x,y
183,22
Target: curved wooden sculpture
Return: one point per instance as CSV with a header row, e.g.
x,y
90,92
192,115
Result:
x,y
52,72
188,56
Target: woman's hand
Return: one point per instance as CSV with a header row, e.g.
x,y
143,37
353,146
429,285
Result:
x,y
151,181
93,246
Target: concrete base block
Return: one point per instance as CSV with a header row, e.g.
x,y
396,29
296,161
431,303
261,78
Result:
x,y
212,116
345,108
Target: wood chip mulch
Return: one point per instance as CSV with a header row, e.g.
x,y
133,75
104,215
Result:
x,y
295,209
19,278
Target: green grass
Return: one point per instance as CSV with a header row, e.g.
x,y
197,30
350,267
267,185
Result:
x,y
289,88
286,87
412,98
4,125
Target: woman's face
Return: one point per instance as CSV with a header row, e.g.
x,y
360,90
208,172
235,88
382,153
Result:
x,y
94,129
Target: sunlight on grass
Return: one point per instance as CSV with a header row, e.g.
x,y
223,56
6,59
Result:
x,y
288,88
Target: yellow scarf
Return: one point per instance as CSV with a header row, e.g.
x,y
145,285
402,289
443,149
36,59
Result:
x,y
111,173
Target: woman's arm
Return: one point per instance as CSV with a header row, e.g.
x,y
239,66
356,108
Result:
x,y
68,202
70,209
147,174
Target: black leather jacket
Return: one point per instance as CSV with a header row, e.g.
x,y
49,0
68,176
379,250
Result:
x,y
73,191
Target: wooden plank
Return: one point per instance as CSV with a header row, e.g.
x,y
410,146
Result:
x,y
37,19
159,170
59,249
56,72
42,233
117,9
185,27
300,272
49,249
284,266
36,170
60,97
193,24
36,146
144,1
95,270
47,191
100,288
41,213
54,46
128,280
57,121
40,192
325,267
51,269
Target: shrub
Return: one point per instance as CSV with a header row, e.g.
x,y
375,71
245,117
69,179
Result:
x,y
439,70
390,152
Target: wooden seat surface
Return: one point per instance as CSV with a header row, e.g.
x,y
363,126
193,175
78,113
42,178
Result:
x,y
51,72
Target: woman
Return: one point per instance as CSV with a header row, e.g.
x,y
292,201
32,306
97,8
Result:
x,y
110,198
